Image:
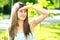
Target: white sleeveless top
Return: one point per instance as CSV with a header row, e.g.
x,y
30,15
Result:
x,y
21,36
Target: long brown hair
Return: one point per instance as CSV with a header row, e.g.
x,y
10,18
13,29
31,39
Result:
x,y
14,21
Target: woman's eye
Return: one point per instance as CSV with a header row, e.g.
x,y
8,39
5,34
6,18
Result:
x,y
20,11
25,10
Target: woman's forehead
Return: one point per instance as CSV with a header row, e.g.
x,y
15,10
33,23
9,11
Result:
x,y
22,10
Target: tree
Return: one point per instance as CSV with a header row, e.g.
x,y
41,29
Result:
x,y
3,2
24,1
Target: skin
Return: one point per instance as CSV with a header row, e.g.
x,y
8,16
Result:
x,y
22,15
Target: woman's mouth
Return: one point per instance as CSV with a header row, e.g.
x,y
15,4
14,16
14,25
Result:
x,y
22,16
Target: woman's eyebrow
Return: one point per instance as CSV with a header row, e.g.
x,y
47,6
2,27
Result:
x,y
19,9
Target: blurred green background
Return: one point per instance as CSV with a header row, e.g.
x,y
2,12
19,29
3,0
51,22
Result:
x,y
42,31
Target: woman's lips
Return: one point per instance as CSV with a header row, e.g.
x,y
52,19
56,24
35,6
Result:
x,y
22,16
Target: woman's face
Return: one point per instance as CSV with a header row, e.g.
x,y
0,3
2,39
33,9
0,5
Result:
x,y
22,14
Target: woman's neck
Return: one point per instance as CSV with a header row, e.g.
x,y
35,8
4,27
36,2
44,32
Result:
x,y
20,27
20,22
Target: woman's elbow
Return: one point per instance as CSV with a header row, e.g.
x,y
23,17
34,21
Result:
x,y
47,13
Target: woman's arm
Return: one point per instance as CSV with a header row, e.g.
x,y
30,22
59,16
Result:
x,y
9,38
39,19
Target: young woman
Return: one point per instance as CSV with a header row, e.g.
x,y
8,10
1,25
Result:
x,y
20,27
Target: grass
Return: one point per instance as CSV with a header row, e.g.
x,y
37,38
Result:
x,y
3,35
42,32
47,32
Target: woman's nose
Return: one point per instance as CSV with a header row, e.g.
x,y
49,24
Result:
x,y
23,12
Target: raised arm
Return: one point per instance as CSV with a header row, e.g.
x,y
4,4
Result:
x,y
39,19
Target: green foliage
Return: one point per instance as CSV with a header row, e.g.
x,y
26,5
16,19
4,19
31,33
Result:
x,y
47,32
51,15
3,35
3,2
48,4
57,3
42,3
42,32
32,13
24,1
1,18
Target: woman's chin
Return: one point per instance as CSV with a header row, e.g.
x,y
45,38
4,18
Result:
x,y
22,19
